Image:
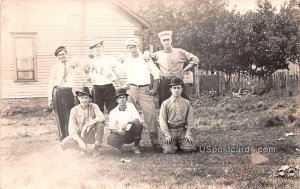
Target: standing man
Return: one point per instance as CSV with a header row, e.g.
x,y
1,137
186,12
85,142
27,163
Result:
x,y
124,124
176,120
171,63
60,96
138,79
102,75
86,123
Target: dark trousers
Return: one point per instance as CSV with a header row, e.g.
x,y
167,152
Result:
x,y
133,135
104,94
63,102
164,90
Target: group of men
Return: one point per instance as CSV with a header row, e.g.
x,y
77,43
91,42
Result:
x,y
84,123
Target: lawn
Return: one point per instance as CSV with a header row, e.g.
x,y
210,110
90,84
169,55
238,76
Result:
x,y
243,142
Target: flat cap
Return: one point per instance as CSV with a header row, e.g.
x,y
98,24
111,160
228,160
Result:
x,y
165,35
60,48
132,41
96,41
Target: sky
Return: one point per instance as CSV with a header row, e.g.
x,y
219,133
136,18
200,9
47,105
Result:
x,y
244,5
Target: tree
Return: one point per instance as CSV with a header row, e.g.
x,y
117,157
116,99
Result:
x,y
272,40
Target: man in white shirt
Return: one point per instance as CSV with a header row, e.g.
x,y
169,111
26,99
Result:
x,y
124,123
102,76
60,96
138,79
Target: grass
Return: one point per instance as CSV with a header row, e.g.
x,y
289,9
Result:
x,y
29,142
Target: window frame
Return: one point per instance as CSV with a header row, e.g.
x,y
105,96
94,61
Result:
x,y
31,35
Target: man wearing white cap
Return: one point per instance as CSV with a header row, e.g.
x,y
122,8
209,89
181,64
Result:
x,y
171,63
102,76
138,79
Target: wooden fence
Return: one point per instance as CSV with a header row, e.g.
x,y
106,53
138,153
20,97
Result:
x,y
220,83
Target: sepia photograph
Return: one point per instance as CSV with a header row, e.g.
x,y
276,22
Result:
x,y
149,94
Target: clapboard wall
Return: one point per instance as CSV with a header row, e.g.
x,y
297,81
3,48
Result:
x,y
72,23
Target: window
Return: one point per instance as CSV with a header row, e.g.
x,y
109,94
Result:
x,y
25,56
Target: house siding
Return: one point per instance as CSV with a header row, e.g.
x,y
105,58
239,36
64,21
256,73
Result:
x,y
72,23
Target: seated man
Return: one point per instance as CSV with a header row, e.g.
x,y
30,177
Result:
x,y
86,125
124,124
176,120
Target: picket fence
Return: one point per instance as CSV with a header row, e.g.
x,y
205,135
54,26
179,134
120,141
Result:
x,y
202,82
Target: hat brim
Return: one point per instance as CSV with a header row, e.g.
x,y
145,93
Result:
x,y
92,46
79,92
123,94
173,84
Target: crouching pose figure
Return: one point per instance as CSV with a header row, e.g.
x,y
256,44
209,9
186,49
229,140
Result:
x,y
176,120
124,124
86,125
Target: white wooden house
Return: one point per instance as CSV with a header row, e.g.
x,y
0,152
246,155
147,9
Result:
x,y
31,30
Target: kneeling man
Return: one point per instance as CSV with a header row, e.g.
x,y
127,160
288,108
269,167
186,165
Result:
x,y
86,124
176,120
124,124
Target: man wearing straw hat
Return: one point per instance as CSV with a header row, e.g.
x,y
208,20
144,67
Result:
x,y
103,74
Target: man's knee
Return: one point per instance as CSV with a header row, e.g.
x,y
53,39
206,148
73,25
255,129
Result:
x,y
169,149
187,147
114,141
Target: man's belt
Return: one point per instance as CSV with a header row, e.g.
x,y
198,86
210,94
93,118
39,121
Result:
x,y
138,85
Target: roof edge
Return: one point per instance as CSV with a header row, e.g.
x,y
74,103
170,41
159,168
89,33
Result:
x,y
134,15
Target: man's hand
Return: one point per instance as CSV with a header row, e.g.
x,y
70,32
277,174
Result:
x,y
126,86
152,92
146,56
50,104
188,137
82,145
168,139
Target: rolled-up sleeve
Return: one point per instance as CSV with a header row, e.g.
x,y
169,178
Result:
x,y
153,69
191,58
163,118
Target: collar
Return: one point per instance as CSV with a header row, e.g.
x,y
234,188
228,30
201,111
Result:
x,y
173,99
168,50
85,108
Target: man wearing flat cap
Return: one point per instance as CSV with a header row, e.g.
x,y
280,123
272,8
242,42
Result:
x,y
60,95
138,75
176,120
102,75
171,63
124,124
86,125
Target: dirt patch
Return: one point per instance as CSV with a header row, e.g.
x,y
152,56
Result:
x,y
238,151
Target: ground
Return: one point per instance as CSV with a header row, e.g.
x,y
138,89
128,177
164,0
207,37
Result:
x,y
242,142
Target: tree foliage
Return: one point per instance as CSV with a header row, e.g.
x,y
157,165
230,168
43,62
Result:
x,y
256,42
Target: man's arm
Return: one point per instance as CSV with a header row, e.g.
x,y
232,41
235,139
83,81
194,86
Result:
x,y
192,62
51,86
163,118
189,123
155,73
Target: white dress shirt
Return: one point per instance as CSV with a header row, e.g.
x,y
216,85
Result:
x,y
118,119
138,71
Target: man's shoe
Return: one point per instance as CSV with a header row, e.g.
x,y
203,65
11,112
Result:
x,y
120,149
136,150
